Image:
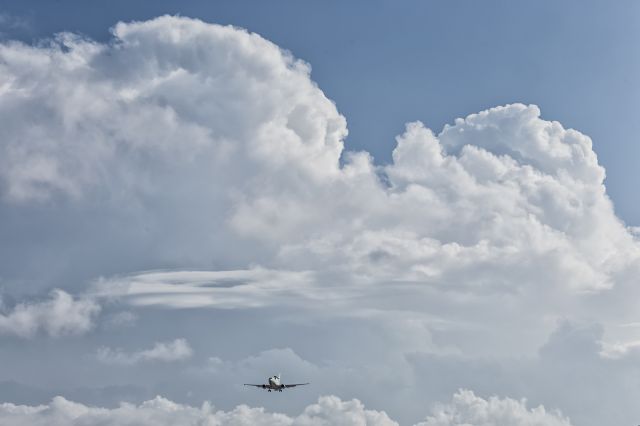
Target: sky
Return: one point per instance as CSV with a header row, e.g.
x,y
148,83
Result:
x,y
425,209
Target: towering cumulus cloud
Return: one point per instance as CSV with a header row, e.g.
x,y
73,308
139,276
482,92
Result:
x,y
184,166
164,94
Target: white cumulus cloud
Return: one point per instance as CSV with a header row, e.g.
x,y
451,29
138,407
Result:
x,y
61,315
200,142
468,409
465,409
174,91
329,410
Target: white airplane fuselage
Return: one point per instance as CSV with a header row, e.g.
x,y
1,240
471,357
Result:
x,y
274,384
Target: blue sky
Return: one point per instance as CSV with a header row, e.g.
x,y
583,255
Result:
x,y
385,63
396,201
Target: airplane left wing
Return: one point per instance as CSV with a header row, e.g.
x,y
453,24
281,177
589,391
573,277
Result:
x,y
295,384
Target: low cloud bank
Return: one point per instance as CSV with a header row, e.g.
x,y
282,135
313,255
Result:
x,y
465,408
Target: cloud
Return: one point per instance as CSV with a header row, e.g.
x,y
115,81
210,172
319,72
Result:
x,y
229,96
283,361
619,350
253,148
256,287
511,206
574,355
155,135
121,319
330,410
177,350
465,408
468,409
11,25
160,411
209,153
60,316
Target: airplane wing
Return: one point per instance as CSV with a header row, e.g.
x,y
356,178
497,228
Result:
x,y
295,384
258,386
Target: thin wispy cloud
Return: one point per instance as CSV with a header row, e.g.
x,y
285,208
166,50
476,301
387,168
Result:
x,y
177,350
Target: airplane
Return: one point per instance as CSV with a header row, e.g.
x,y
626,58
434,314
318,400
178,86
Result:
x,y
275,385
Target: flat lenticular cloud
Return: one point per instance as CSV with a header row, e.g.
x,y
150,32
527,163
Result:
x,y
208,152
254,288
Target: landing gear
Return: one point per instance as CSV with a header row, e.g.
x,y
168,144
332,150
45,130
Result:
x,y
269,390
280,390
